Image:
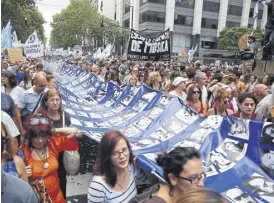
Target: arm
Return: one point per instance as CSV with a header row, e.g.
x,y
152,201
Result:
x,y
205,109
20,166
19,120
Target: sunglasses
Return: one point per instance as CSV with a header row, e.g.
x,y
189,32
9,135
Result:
x,y
226,101
39,120
196,92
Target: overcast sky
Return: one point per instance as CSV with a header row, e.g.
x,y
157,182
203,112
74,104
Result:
x,y
48,8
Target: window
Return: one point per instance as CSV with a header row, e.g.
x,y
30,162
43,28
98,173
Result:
x,y
152,16
209,23
234,10
230,24
153,1
208,45
183,20
211,6
127,8
185,3
126,23
260,13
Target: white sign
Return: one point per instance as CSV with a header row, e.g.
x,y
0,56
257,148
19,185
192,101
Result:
x,y
33,46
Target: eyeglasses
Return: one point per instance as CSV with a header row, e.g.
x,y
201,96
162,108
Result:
x,y
196,92
4,77
242,196
38,119
194,180
117,155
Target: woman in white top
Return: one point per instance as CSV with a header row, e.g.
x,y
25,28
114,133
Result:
x,y
114,171
179,84
9,82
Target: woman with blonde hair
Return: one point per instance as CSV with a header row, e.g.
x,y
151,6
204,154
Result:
x,y
201,196
133,81
154,80
221,104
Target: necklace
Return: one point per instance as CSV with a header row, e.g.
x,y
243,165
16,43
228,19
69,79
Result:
x,y
120,184
43,157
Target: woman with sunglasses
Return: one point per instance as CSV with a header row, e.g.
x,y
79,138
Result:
x,y
247,104
154,80
221,104
9,82
194,100
114,171
51,107
41,152
183,171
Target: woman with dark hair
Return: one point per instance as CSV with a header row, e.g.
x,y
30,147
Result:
x,y
51,82
183,171
194,100
202,196
114,171
9,82
42,150
247,104
102,73
27,82
114,78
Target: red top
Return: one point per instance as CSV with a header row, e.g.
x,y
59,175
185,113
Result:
x,y
201,107
57,144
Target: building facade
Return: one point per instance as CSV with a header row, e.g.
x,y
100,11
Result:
x,y
105,7
191,21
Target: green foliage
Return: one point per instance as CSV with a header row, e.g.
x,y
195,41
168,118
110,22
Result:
x,y
16,11
228,38
81,21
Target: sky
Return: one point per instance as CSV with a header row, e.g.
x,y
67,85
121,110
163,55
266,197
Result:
x,y
49,8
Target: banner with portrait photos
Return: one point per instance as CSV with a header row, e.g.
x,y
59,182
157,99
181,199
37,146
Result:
x,y
238,155
149,49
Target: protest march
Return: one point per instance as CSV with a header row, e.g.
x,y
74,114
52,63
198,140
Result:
x,y
143,126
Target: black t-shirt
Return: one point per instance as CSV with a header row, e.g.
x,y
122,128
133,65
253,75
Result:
x,y
59,123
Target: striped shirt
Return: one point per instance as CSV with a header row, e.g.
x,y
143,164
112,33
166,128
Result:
x,y
100,191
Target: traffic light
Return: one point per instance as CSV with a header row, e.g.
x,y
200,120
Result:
x,y
102,23
26,21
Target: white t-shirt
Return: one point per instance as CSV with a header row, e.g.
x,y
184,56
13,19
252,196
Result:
x,y
183,97
16,93
9,124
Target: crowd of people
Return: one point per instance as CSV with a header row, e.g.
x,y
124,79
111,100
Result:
x,y
36,130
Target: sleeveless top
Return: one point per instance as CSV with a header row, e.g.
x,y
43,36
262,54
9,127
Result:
x,y
201,107
215,110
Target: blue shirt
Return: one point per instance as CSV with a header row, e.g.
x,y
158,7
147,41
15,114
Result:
x,y
20,76
7,104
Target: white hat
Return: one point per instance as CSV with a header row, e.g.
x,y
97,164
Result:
x,y
178,80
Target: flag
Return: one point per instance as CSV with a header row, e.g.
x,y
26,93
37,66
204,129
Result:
x,y
6,38
184,54
191,53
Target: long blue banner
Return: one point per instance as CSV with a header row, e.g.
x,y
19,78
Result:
x,y
237,154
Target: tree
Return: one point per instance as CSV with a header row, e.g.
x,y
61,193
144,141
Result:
x,y
228,38
80,22
16,11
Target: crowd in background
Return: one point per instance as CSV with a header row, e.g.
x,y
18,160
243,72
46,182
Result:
x,y
36,130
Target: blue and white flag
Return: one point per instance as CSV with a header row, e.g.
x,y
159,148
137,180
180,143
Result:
x,y
237,154
6,38
191,53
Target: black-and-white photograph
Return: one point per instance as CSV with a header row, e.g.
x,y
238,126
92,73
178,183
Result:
x,y
161,134
155,112
96,135
72,98
75,106
239,129
221,163
116,121
118,108
95,115
116,94
165,100
130,131
210,170
212,122
91,90
233,150
88,124
75,121
175,125
103,124
186,115
144,143
86,84
149,96
129,114
236,195
70,111
268,134
109,103
188,143
87,108
107,114
267,161
81,113
127,100
143,123
200,135
139,106
261,186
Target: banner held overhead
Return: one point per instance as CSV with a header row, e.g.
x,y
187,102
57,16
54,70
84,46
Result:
x,y
149,49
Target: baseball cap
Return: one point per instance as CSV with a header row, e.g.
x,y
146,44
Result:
x,y
178,80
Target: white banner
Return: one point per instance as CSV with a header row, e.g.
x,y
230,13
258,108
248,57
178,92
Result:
x,y
33,46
